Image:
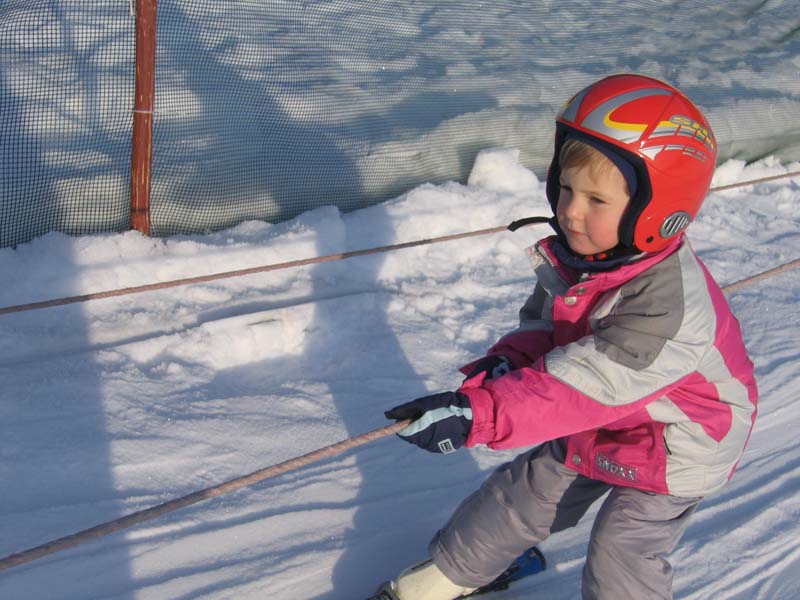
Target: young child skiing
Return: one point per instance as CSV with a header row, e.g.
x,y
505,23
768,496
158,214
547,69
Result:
x,y
628,366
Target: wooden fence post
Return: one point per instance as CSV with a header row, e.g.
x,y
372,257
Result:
x,y
142,143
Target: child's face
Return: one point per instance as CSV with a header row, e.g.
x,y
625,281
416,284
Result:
x,y
590,207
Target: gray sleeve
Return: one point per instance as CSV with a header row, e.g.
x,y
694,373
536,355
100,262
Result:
x,y
648,314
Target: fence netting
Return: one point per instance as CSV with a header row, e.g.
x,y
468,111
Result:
x,y
66,83
266,109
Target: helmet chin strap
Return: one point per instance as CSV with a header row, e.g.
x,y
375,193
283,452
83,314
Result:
x,y
584,262
618,251
514,225
591,262
601,261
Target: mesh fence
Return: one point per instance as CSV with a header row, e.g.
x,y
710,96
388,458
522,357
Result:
x,y
66,80
266,109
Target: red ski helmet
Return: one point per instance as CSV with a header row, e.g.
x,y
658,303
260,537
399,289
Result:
x,y
665,138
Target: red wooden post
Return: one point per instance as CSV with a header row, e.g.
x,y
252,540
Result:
x,y
142,143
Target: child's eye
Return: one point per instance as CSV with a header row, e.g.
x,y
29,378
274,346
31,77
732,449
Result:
x,y
597,200
565,187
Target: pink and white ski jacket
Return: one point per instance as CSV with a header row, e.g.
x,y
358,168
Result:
x,y
641,369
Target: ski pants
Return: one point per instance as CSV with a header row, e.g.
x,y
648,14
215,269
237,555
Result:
x,y
534,495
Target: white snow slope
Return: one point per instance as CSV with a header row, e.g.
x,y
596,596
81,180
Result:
x,y
111,406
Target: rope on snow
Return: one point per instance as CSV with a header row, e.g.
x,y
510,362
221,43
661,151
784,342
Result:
x,y
760,276
148,514
299,263
240,272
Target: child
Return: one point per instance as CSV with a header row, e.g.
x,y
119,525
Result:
x,y
628,366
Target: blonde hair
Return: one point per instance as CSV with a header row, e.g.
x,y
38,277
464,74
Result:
x,y
576,154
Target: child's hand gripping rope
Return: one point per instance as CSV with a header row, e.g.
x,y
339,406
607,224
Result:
x,y
440,423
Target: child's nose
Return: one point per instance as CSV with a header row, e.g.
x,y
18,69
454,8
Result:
x,y
572,209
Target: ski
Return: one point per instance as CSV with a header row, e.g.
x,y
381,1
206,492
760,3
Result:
x,y
529,563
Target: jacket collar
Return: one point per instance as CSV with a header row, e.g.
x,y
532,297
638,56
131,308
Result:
x,y
544,249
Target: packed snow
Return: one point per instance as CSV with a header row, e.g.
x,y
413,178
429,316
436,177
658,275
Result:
x,y
111,406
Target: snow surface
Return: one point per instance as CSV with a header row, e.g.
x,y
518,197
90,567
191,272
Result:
x,y
112,406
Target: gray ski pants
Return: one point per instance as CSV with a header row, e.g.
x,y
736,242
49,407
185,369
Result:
x,y
526,500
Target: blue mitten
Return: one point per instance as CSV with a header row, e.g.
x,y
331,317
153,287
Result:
x,y
441,422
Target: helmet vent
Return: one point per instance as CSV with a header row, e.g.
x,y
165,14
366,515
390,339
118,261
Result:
x,y
675,223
